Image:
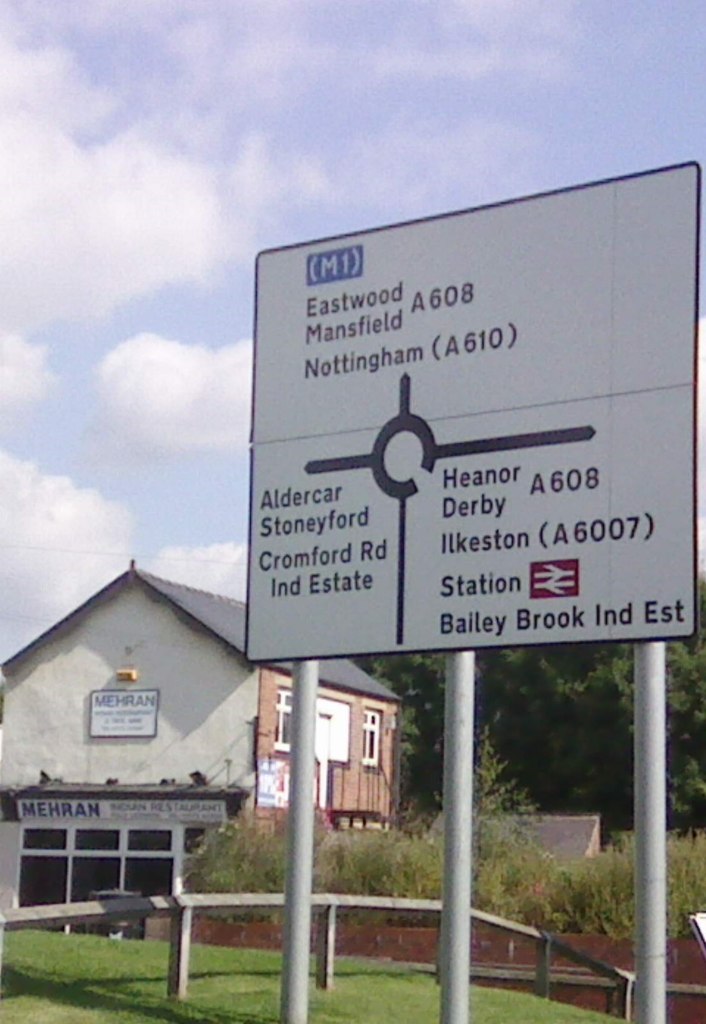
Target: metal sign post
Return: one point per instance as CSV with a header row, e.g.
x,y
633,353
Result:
x,y
454,959
650,834
300,847
478,430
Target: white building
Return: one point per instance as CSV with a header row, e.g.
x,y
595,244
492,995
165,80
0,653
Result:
x,y
130,726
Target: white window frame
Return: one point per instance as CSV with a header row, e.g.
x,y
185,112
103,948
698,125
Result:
x,y
372,727
283,708
121,853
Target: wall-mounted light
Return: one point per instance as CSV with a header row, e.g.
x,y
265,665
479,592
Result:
x,y
127,675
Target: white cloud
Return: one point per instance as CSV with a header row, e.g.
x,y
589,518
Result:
x,y
92,214
160,398
109,192
398,171
85,229
46,85
217,568
264,181
553,19
260,178
470,40
266,54
59,543
25,377
410,169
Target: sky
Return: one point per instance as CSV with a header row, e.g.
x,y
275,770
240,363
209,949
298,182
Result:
x,y
150,148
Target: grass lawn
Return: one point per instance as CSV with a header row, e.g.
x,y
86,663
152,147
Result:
x,y
51,978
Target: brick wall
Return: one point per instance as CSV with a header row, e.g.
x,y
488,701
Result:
x,y
490,947
353,786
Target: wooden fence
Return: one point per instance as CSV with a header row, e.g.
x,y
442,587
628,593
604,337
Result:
x,y
618,984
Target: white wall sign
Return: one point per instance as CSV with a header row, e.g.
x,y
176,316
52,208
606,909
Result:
x,y
211,812
124,713
478,430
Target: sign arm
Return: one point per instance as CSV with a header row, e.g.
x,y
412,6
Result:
x,y
536,439
401,566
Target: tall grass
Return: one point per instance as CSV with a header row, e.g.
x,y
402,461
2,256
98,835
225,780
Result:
x,y
242,856
687,879
512,876
381,864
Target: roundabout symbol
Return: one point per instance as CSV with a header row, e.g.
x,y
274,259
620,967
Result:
x,y
407,422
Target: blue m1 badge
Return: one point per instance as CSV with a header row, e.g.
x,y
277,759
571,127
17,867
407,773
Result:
x,y
334,265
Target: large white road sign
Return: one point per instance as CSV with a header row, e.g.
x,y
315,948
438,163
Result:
x,y
478,430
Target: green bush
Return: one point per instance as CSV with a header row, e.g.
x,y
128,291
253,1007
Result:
x,y
590,896
381,864
687,880
513,878
594,895
242,856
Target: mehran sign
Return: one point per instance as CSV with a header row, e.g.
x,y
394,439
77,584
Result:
x,y
124,713
478,430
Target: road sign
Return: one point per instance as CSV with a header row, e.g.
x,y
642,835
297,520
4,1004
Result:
x,y
698,927
478,429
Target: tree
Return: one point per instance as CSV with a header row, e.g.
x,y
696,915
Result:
x,y
560,719
557,719
687,726
419,679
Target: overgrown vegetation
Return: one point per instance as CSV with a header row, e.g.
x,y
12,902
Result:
x,y
513,877
562,718
242,856
546,714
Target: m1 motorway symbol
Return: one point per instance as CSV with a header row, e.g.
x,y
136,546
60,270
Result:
x,y
405,421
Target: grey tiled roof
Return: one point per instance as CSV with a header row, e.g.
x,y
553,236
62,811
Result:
x,y
221,616
226,618
567,836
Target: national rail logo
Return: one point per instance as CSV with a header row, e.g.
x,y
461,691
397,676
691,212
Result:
x,y
559,578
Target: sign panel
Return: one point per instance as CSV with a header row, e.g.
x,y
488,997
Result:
x,y
207,812
272,782
478,430
698,927
124,713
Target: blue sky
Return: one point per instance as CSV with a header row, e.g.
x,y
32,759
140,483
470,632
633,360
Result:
x,y
150,148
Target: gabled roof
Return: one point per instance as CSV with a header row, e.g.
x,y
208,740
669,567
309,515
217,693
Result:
x,y
223,617
567,836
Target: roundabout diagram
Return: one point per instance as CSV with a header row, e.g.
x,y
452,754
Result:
x,y
405,422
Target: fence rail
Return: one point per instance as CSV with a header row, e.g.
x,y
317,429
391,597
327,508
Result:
x,y
619,984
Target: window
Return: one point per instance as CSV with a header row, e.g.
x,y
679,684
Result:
x,y
283,727
45,839
371,737
97,839
92,874
60,864
43,880
149,839
192,838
